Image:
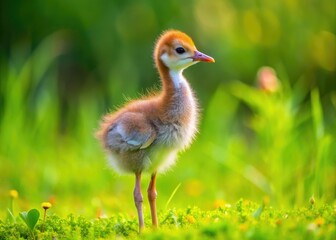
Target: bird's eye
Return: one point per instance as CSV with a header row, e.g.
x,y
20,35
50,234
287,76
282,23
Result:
x,y
180,50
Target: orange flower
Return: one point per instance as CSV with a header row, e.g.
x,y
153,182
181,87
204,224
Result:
x,y
267,80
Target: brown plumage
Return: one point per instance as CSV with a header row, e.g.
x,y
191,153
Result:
x,y
146,134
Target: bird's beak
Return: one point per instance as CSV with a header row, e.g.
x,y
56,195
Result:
x,y
198,56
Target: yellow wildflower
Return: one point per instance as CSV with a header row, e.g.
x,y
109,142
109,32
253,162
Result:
x,y
219,203
46,205
319,221
13,193
191,219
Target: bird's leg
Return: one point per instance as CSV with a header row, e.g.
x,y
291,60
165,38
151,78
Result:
x,y
152,199
138,199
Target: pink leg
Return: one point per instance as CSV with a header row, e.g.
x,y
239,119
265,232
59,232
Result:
x,y
138,199
152,199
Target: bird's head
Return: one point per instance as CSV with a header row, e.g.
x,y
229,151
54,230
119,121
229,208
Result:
x,y
177,51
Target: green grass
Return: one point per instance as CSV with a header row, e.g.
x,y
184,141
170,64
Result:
x,y
243,220
251,155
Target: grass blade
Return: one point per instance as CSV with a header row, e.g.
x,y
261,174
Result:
x,y
172,195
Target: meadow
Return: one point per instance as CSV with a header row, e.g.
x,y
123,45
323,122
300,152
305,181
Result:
x,y
59,75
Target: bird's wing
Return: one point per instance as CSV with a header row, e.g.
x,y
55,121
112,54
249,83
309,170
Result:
x,y
130,132
139,139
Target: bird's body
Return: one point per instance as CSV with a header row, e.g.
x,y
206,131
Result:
x,y
146,134
165,123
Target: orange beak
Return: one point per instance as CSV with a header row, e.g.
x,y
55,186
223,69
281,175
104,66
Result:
x,y
201,57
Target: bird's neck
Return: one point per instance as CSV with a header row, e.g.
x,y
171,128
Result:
x,y
177,78
172,79
177,99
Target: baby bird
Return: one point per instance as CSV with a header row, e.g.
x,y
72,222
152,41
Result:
x,y
146,134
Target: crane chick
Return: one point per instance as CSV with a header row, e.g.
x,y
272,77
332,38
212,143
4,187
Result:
x,y
146,134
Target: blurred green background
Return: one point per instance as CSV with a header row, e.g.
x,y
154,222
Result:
x,y
63,64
